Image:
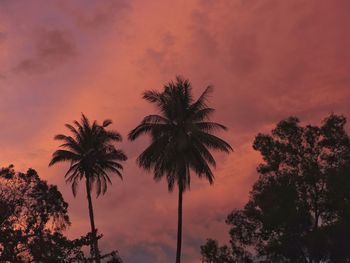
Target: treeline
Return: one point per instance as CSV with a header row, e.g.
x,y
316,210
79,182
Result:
x,y
298,211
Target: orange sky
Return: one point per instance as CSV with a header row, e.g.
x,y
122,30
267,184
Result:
x,y
266,59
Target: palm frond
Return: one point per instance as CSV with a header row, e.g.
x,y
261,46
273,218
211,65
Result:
x,y
75,184
152,96
155,119
210,126
72,129
213,142
202,100
60,137
62,156
72,172
80,127
106,123
113,136
202,114
145,128
85,122
199,148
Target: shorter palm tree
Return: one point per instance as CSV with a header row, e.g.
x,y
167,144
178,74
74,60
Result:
x,y
92,155
181,139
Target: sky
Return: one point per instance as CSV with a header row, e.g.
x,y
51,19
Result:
x,y
267,60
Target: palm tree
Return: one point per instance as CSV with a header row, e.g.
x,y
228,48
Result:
x,y
181,139
92,155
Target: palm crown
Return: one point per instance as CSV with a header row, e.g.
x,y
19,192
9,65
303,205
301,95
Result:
x,y
91,152
181,135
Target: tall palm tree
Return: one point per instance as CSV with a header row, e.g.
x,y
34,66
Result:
x,y
92,155
181,139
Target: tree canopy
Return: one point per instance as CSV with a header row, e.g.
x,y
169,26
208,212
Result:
x,y
33,215
299,208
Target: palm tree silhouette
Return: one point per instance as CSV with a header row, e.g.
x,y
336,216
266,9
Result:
x,y
182,137
92,154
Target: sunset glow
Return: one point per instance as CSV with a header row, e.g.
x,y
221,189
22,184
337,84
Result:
x,y
267,60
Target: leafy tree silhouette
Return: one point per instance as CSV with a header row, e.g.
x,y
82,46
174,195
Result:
x,y
299,208
92,154
182,137
33,215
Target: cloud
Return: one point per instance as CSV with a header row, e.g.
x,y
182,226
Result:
x,y
53,48
203,38
2,36
96,15
244,55
266,59
162,56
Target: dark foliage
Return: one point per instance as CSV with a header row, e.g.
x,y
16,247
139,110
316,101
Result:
x,y
212,253
33,215
299,208
182,135
91,154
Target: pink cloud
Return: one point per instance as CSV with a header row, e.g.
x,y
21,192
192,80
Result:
x,y
266,59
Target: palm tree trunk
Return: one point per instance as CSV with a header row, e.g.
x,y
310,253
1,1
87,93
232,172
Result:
x,y
179,226
94,251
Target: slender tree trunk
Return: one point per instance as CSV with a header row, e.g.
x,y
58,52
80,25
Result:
x,y
94,251
179,226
